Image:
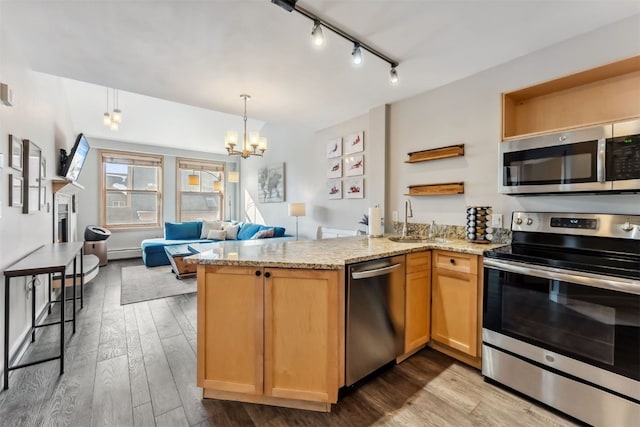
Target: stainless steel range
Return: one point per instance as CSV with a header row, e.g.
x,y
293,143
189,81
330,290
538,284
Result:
x,y
561,319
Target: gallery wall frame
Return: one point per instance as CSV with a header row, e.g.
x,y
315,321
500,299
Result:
x,y
271,184
15,190
32,180
15,153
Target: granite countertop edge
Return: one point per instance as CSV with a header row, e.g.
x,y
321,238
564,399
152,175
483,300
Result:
x,y
327,254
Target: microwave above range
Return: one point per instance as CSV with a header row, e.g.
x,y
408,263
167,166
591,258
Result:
x,y
597,159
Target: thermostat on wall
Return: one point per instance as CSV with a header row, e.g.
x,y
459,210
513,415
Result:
x,y
6,95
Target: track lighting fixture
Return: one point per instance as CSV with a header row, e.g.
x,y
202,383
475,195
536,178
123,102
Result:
x,y
316,34
318,38
393,75
356,55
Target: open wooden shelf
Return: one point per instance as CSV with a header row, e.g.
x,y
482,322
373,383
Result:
x,y
436,189
436,153
604,94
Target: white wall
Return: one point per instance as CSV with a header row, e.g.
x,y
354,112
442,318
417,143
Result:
x,y
468,111
304,155
39,113
126,243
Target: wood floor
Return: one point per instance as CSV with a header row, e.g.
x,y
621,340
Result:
x,y
135,365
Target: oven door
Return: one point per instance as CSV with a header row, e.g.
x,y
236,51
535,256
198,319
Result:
x,y
585,325
567,162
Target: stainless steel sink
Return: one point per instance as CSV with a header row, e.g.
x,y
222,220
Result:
x,y
414,239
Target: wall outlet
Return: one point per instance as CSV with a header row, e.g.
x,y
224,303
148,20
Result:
x,y
395,216
496,220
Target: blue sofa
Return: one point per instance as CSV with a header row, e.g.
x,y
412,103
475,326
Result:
x,y
181,233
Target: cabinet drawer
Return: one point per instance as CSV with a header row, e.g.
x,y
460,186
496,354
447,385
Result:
x,y
455,261
418,261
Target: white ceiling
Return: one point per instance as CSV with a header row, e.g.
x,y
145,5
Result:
x,y
205,53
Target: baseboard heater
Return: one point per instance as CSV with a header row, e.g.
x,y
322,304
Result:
x,y
125,253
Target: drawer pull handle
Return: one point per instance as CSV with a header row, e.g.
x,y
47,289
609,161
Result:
x,y
267,274
258,273
452,261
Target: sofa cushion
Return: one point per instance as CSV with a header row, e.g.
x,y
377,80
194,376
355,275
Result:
x,y
210,225
182,230
248,230
263,234
232,231
217,235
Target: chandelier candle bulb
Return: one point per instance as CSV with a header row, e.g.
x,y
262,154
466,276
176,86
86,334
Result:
x,y
375,222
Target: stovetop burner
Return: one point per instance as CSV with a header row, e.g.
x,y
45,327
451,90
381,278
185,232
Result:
x,y
593,243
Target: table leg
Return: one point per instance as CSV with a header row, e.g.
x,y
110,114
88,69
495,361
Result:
x,y
33,308
75,273
81,278
49,305
62,303
6,333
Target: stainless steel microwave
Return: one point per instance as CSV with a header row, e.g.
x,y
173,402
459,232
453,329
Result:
x,y
598,159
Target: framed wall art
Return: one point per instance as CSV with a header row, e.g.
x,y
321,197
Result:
x,y
334,168
334,148
354,165
354,143
354,188
15,153
334,189
31,167
271,184
15,190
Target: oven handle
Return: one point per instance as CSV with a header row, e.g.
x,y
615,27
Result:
x,y
594,280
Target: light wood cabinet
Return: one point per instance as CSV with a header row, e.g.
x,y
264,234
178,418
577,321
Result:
x,y
269,335
417,302
455,304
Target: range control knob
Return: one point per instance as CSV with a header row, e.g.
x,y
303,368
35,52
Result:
x,y
518,221
627,226
529,221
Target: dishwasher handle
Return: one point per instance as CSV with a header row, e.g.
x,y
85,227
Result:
x,y
375,273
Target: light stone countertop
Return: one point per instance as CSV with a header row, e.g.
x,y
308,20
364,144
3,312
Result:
x,y
325,254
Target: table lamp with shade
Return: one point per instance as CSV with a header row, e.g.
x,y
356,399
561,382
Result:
x,y
297,210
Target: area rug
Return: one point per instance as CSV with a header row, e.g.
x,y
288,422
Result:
x,y
142,283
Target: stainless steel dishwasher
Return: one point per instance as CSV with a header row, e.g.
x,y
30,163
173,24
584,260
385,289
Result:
x,y
375,315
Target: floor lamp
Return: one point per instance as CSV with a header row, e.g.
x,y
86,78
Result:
x,y
297,210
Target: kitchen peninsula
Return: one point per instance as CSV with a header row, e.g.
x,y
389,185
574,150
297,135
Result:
x,y
271,315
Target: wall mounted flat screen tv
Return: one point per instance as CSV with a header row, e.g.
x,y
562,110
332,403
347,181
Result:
x,y
71,165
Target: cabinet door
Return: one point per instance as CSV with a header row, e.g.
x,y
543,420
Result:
x,y
230,329
418,310
455,302
301,334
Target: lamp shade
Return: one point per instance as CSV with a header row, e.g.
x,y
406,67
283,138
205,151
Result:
x,y
217,186
297,209
234,176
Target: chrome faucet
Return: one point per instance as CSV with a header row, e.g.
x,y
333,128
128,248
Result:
x,y
432,229
408,213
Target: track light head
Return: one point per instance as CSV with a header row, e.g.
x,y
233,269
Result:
x,y
287,5
316,34
393,75
356,55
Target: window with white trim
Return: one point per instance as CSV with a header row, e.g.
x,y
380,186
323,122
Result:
x,y
200,190
131,189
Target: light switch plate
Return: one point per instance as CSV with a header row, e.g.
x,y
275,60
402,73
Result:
x,y
496,220
395,216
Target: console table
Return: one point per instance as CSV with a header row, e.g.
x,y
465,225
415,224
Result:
x,y
48,259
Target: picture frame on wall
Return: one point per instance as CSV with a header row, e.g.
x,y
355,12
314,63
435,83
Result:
x,y
271,184
32,181
354,165
15,191
354,188
334,168
354,143
334,148
15,153
334,189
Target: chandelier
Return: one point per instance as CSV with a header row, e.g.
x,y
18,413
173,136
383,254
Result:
x,y
114,119
252,144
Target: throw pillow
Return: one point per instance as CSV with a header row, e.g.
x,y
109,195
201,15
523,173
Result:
x,y
248,230
232,231
182,230
263,234
210,225
217,234
278,231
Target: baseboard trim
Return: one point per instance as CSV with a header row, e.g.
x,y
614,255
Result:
x,y
124,253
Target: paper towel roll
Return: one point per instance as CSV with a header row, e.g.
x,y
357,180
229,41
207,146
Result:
x,y
375,222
